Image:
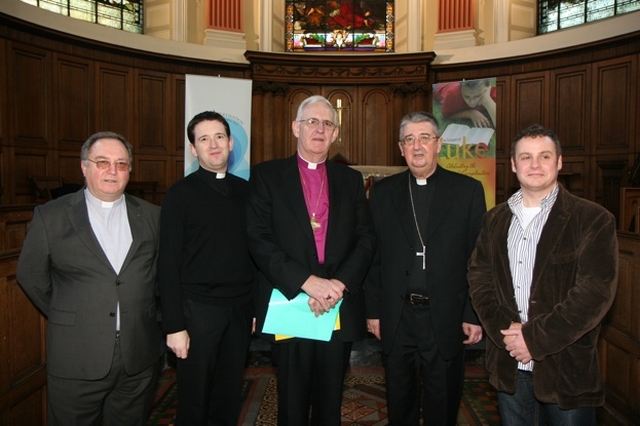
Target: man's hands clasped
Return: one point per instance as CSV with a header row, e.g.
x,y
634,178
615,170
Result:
x,y
324,294
515,344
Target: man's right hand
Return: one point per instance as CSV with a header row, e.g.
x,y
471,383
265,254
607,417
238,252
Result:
x,y
373,327
179,343
325,292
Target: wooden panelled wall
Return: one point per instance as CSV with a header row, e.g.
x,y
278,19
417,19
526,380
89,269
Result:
x,y
589,95
56,90
22,332
619,347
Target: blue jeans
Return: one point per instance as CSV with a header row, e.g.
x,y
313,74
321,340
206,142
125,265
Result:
x,y
523,409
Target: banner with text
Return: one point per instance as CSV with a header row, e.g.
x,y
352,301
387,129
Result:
x,y
466,111
231,98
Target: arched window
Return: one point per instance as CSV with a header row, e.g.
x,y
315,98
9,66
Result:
x,y
555,15
121,14
330,25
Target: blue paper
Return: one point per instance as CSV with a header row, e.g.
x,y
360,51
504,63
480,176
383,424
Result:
x,y
294,318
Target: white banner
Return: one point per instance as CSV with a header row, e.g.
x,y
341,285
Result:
x,y
231,98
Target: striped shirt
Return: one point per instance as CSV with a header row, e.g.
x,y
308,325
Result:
x,y
522,241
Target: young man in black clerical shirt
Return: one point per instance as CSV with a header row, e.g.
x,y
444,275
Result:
x,y
206,278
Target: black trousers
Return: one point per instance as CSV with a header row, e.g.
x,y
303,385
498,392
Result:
x,y
210,378
417,376
310,378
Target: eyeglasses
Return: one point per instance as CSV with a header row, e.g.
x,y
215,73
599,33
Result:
x,y
121,166
423,139
314,122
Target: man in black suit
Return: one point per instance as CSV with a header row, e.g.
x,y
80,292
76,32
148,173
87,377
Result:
x,y
88,264
427,220
310,231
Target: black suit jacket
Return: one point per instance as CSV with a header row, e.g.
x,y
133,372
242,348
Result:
x,y
282,245
454,221
67,275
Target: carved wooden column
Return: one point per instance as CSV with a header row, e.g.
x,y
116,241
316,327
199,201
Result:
x,y
224,24
268,105
407,97
455,24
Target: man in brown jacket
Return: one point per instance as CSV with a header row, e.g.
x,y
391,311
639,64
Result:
x,y
542,277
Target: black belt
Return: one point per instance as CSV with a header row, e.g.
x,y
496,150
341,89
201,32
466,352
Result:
x,y
417,299
117,335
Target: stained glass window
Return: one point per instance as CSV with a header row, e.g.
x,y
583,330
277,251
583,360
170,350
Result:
x,y
351,26
121,14
555,15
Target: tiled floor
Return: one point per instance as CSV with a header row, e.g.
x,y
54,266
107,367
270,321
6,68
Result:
x,y
366,353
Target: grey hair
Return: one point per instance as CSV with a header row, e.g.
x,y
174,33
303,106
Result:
x,y
419,117
316,99
86,147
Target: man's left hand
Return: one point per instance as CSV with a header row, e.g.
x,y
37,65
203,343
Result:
x,y
515,344
473,333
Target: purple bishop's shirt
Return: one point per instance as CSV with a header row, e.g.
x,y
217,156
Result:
x,y
313,177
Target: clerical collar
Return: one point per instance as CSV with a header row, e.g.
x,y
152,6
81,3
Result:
x,y
425,181
310,165
100,203
215,175
215,181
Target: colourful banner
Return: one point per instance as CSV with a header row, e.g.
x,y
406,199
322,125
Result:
x,y
466,111
231,97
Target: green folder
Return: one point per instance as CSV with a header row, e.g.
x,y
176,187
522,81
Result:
x,y
294,318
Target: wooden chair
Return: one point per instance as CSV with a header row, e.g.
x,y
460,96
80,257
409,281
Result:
x,y
147,190
43,186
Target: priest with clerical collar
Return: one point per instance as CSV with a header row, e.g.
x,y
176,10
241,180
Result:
x,y
427,220
206,278
310,233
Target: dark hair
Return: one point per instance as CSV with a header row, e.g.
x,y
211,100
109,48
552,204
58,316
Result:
x,y
206,116
419,117
86,147
473,84
536,131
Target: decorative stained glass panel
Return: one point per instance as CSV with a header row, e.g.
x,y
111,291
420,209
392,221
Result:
x,y
121,14
558,14
351,26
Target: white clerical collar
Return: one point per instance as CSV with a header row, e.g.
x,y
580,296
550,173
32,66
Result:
x,y
310,165
101,203
423,181
221,175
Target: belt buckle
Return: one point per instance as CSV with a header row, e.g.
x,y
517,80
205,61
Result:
x,y
418,299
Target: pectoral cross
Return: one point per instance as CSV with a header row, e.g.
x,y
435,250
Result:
x,y
423,253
